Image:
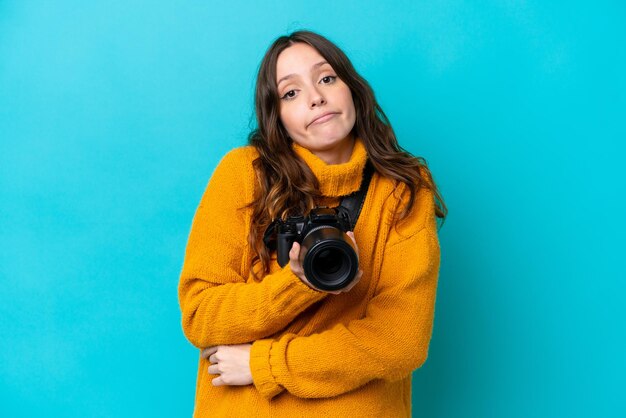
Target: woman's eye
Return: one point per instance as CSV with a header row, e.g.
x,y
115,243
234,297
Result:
x,y
329,79
289,95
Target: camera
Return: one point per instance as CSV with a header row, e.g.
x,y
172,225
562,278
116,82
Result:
x,y
327,253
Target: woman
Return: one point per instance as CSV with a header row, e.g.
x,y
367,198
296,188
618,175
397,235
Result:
x,y
272,343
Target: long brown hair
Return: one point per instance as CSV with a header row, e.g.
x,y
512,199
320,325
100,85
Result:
x,y
286,185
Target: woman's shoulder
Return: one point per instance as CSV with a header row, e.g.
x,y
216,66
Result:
x,y
240,157
237,165
422,212
234,174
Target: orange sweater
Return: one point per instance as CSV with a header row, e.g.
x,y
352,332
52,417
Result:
x,y
313,354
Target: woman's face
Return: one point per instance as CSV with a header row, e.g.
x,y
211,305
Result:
x,y
308,88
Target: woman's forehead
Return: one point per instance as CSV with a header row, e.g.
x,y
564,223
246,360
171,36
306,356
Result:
x,y
297,60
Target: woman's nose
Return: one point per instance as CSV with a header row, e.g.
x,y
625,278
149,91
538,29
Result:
x,y
316,98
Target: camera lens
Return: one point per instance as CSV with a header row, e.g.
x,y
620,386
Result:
x,y
329,259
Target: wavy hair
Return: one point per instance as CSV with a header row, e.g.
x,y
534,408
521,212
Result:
x,y
286,185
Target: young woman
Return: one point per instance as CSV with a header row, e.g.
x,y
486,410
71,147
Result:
x,y
272,343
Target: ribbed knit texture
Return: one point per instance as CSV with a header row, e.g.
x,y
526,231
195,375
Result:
x,y
313,354
336,179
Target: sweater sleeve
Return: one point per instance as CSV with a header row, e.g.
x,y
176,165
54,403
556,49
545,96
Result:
x,y
218,304
388,343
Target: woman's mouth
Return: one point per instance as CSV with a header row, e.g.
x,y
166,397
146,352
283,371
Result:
x,y
323,118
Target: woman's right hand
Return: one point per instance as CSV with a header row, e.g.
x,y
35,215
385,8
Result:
x,y
298,270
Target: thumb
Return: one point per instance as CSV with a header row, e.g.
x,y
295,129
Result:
x,y
295,250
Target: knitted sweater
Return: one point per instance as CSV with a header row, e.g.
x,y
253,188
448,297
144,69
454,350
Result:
x,y
313,354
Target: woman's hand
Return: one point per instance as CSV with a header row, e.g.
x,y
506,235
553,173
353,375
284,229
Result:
x,y
296,267
231,363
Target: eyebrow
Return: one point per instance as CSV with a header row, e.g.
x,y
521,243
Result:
x,y
319,64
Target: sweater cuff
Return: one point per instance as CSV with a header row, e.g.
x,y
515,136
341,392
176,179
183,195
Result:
x,y
305,288
262,376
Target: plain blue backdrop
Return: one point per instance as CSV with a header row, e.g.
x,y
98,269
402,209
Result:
x,y
113,115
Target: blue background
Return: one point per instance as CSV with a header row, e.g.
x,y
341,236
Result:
x,y
113,115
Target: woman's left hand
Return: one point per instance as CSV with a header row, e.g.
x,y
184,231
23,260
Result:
x,y
231,363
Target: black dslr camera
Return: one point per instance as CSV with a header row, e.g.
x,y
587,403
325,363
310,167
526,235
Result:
x,y
327,253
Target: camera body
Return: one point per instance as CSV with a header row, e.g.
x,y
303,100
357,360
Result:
x,y
327,253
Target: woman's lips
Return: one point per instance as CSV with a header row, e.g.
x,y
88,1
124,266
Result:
x,y
323,119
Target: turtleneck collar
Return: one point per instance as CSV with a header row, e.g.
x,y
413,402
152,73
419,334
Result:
x,y
336,179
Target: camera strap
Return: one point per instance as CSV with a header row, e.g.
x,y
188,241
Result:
x,y
352,204
349,209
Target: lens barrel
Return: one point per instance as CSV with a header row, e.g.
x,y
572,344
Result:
x,y
328,258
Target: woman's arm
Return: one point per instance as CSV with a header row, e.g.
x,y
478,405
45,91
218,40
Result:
x,y
218,305
388,343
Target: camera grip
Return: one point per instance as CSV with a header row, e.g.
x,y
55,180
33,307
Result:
x,y
284,242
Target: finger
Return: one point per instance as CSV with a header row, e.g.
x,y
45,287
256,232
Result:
x,y
356,247
214,369
213,358
354,282
294,252
208,351
294,260
218,381
345,289
357,278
